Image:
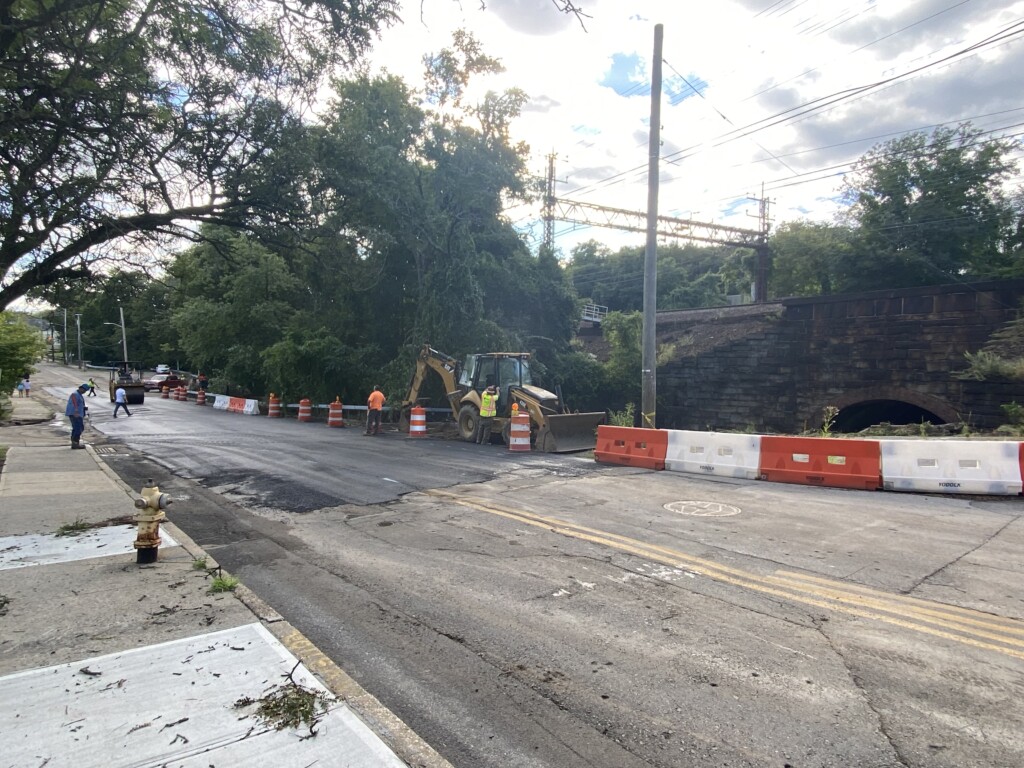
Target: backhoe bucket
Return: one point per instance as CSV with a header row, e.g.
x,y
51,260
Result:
x,y
568,432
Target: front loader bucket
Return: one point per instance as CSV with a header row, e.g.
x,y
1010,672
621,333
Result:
x,y
568,432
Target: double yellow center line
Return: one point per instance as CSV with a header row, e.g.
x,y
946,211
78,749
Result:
x,y
961,625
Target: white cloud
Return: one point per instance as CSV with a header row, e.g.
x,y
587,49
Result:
x,y
765,64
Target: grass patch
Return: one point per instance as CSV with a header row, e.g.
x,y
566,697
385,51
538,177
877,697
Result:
x,y
223,584
75,528
199,564
289,705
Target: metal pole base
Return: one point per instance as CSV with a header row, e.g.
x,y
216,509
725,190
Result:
x,y
146,556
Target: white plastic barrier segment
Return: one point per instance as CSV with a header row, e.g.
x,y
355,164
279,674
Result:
x,y
713,453
237,405
951,466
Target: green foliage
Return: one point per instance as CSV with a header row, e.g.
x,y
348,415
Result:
x,y
580,377
290,705
924,209
828,420
808,258
98,304
624,332
77,526
20,346
930,209
624,418
688,276
125,119
410,247
1014,412
984,365
223,583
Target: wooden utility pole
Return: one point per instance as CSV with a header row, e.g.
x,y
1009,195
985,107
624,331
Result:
x,y
648,363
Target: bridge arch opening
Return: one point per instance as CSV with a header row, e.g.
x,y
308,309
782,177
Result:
x,y
858,416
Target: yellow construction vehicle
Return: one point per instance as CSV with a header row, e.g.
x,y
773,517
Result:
x,y
129,376
553,429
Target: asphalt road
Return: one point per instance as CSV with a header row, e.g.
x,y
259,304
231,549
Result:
x,y
537,610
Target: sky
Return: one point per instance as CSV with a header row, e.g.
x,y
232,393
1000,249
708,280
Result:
x,y
775,95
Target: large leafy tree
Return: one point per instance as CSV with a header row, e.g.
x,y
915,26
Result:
x,y
122,121
928,209
688,275
810,258
404,244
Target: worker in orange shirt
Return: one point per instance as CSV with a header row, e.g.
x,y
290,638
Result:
x,y
374,403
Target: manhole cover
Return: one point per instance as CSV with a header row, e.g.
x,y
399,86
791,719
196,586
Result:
x,y
702,508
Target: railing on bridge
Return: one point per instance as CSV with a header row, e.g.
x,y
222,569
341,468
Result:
x,y
595,313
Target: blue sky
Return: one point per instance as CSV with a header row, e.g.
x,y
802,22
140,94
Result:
x,y
791,93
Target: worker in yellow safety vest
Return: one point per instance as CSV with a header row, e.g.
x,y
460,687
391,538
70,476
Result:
x,y
488,410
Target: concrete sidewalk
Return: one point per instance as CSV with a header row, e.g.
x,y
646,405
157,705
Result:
x,y
109,663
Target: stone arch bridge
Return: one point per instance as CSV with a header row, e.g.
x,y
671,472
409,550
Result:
x,y
880,356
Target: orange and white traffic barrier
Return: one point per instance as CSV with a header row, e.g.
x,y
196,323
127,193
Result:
x,y
823,461
165,392
631,446
519,432
201,397
334,416
952,466
724,454
418,421
274,406
182,394
305,409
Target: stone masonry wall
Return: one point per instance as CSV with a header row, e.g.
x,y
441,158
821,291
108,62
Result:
x,y
774,367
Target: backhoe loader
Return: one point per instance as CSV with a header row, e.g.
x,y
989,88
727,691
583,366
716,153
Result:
x,y
552,428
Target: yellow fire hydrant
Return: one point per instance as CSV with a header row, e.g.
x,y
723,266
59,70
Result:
x,y
151,508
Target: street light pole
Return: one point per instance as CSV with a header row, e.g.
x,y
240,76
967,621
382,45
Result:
x,y
124,336
124,339
78,325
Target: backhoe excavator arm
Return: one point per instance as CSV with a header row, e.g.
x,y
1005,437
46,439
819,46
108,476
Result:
x,y
446,367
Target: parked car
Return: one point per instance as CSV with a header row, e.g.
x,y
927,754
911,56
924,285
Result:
x,y
162,380
162,368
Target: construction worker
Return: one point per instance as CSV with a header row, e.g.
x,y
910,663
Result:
x,y
75,411
374,403
488,410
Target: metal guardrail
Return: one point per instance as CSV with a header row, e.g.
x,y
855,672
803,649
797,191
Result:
x,y
595,313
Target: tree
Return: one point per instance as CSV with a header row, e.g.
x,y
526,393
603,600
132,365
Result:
x,y
809,258
233,300
929,209
404,243
20,345
624,332
122,121
688,275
